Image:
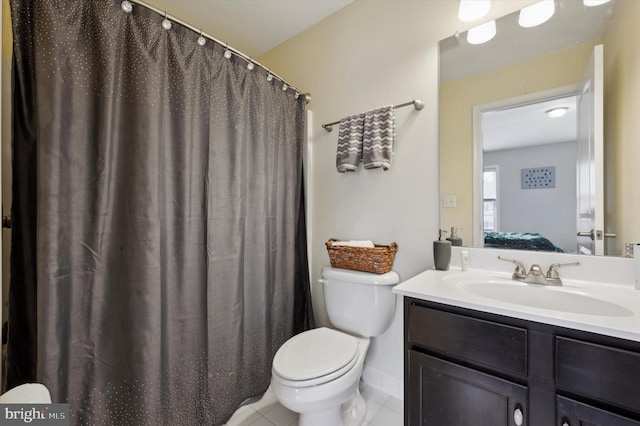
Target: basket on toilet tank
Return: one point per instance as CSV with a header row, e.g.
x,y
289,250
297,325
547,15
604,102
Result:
x,y
377,259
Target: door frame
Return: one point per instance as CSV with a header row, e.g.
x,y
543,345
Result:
x,y
478,111
593,217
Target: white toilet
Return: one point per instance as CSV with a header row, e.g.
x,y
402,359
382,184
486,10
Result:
x,y
316,373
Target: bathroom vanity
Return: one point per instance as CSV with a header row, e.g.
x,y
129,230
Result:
x,y
462,366
471,359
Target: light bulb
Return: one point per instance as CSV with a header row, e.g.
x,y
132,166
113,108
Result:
x,y
536,14
472,10
556,112
227,54
482,33
202,41
166,24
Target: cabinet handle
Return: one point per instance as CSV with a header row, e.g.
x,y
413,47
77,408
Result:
x,y
518,418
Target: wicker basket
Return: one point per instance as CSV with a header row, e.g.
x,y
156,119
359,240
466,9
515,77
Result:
x,y
378,259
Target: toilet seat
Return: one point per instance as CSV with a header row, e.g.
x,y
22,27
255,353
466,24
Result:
x,y
314,357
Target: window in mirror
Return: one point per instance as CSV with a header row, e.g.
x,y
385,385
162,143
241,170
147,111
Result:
x,y
490,198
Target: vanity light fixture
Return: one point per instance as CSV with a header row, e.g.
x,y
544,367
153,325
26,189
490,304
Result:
x,y
482,33
536,14
556,112
472,10
594,2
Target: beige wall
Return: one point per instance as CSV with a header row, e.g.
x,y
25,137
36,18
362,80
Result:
x,y
622,126
374,53
457,99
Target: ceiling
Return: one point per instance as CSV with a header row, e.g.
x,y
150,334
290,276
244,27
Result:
x,y
529,125
251,26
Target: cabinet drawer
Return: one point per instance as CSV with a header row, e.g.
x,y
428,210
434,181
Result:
x,y
575,413
599,372
500,347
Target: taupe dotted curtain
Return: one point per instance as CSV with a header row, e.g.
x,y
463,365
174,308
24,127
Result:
x,y
159,247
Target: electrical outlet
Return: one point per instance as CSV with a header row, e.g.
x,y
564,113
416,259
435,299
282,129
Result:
x,y
448,201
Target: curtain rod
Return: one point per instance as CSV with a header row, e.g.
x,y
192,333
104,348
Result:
x,y
417,104
127,9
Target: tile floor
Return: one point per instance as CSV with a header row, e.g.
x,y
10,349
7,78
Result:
x,y
382,410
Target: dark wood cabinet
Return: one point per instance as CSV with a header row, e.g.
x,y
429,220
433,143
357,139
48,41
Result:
x,y
599,372
573,413
465,367
478,395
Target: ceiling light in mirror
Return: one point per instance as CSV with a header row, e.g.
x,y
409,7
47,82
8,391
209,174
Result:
x,y
595,2
536,14
482,33
472,10
556,112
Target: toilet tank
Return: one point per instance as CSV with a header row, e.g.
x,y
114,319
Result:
x,y
359,302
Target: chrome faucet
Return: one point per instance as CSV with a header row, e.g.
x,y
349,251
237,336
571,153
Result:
x,y
553,278
520,273
535,275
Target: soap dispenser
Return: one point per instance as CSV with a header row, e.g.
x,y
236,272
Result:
x,y
441,252
455,240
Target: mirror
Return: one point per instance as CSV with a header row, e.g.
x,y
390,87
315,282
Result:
x,y
482,85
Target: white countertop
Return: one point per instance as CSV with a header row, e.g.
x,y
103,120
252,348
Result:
x,y
444,287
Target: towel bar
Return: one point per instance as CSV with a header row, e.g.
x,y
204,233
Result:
x,y
417,104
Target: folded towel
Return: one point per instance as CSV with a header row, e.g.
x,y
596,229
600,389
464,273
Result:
x,y
354,243
379,133
350,143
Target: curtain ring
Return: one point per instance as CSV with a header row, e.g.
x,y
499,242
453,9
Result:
x,y
166,23
201,40
126,6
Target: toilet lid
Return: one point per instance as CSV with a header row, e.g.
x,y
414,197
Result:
x,y
314,353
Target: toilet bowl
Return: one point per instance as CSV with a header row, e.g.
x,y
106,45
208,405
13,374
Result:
x,y
316,373
325,377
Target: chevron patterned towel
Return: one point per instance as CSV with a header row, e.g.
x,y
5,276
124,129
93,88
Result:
x,y
379,133
350,143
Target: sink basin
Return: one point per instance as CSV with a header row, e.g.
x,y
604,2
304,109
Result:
x,y
542,297
610,309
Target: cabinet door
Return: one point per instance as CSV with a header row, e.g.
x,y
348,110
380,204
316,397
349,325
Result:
x,y
573,413
445,394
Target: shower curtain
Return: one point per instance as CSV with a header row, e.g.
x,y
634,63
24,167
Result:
x,y
159,247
